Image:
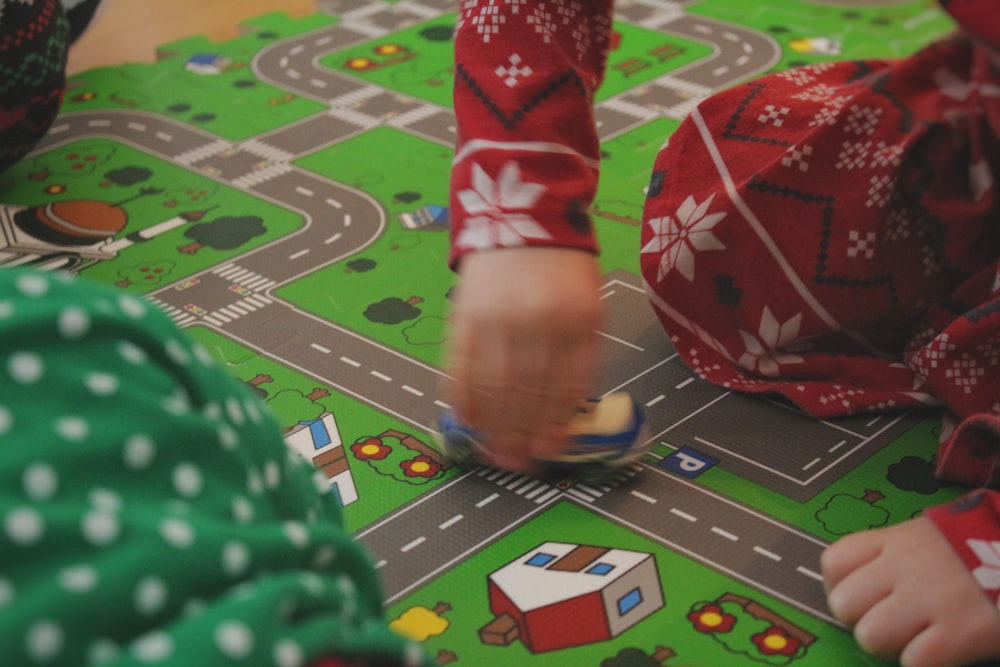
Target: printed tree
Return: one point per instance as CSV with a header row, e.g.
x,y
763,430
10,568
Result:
x,y
845,513
400,456
747,628
635,657
293,407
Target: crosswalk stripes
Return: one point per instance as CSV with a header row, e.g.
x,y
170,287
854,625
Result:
x,y
541,492
179,316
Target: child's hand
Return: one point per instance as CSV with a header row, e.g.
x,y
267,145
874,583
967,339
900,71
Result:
x,y
523,348
910,597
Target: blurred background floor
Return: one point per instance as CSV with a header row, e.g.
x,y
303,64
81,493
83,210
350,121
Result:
x,y
131,30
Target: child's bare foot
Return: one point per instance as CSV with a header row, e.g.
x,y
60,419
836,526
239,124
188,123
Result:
x,y
909,597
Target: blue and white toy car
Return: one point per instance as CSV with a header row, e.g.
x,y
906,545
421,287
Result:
x,y
606,435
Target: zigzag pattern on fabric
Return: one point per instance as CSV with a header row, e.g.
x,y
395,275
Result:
x,y
13,40
34,69
510,122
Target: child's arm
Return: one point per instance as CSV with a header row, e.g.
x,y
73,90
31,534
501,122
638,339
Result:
x,y
525,174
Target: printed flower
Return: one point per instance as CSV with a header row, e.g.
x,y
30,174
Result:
x,y
711,618
421,466
775,641
495,209
765,354
370,448
679,238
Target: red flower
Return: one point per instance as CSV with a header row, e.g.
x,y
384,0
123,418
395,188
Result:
x,y
422,466
370,448
711,618
775,641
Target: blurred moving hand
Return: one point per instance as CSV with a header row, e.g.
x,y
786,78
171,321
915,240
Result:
x,y
523,348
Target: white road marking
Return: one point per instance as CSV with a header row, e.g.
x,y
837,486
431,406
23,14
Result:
x,y
414,544
643,496
725,533
415,392
300,253
767,554
685,383
350,362
683,515
381,376
487,500
452,521
319,348
809,573
811,463
654,401
305,191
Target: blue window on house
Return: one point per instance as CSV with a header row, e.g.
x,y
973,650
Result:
x,y
601,568
540,560
629,601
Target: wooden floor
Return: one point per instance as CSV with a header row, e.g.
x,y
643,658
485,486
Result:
x,y
130,30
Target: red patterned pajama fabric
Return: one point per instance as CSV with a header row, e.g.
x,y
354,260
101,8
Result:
x,y
829,233
34,38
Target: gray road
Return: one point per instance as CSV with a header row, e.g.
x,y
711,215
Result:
x,y
237,299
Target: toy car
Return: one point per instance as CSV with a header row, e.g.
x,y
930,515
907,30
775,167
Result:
x,y
604,436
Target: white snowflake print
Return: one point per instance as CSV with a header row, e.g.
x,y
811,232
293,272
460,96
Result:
x,y
678,238
988,574
496,210
770,348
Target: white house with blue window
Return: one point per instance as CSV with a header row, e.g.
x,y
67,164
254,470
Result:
x,y
318,441
562,595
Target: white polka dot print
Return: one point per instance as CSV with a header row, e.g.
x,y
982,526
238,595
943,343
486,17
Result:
x,y
202,354
177,533
40,482
153,648
32,285
235,558
234,640
150,596
228,438
102,651
24,526
272,475
132,353
44,641
106,499
188,480
25,367
72,428
296,533
6,421
178,403
101,384
100,527
178,353
288,654
78,578
6,309
242,510
73,323
6,593
139,452
131,306
235,411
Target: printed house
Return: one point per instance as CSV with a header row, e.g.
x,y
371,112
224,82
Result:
x,y
560,595
319,441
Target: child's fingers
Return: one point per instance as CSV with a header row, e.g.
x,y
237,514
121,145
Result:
x,y
888,625
848,554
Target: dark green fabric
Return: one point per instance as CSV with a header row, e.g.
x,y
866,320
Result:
x,y
150,512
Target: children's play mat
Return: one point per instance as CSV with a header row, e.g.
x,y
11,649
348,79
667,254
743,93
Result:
x,y
284,197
